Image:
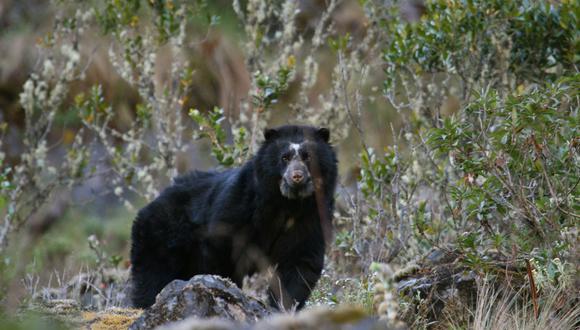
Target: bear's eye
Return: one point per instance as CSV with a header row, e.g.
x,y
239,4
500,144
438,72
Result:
x,y
286,158
305,156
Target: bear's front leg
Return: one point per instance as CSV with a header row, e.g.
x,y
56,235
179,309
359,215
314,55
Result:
x,y
295,278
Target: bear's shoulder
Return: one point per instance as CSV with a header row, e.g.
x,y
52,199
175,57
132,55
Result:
x,y
194,177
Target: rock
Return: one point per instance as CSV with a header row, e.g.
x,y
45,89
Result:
x,y
441,283
194,323
323,318
209,302
445,285
203,296
317,318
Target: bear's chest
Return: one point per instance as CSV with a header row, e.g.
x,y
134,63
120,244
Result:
x,y
282,236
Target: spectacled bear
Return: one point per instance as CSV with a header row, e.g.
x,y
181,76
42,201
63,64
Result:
x,y
275,210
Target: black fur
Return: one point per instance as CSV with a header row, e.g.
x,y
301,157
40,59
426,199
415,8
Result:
x,y
274,210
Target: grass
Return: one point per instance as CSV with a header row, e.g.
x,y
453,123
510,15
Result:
x,y
63,252
498,309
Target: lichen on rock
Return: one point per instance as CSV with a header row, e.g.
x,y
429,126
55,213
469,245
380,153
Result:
x,y
203,296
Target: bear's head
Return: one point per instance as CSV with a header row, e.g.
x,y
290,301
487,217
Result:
x,y
297,160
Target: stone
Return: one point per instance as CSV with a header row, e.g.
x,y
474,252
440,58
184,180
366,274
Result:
x,y
203,296
315,318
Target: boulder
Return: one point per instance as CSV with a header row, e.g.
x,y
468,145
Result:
x,y
203,296
315,318
441,284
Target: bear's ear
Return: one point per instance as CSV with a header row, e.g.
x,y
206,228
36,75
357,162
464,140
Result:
x,y
324,134
270,134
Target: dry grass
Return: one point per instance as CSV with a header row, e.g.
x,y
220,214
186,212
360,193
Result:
x,y
499,309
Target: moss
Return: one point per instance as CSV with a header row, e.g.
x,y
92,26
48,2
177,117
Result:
x,y
117,318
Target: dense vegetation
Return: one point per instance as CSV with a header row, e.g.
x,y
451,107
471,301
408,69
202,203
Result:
x,y
457,123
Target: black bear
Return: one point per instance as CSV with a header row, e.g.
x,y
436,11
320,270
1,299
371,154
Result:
x,y
275,210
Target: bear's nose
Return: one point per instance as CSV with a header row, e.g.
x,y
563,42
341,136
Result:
x,y
297,176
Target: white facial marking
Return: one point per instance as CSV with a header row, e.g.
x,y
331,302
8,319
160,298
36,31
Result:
x,y
295,146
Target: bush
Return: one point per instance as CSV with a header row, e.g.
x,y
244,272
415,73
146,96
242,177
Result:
x,y
497,175
483,94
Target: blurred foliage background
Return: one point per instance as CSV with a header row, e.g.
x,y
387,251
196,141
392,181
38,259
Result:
x,y
456,125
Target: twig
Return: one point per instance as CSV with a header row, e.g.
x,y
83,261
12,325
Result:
x,y
533,289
